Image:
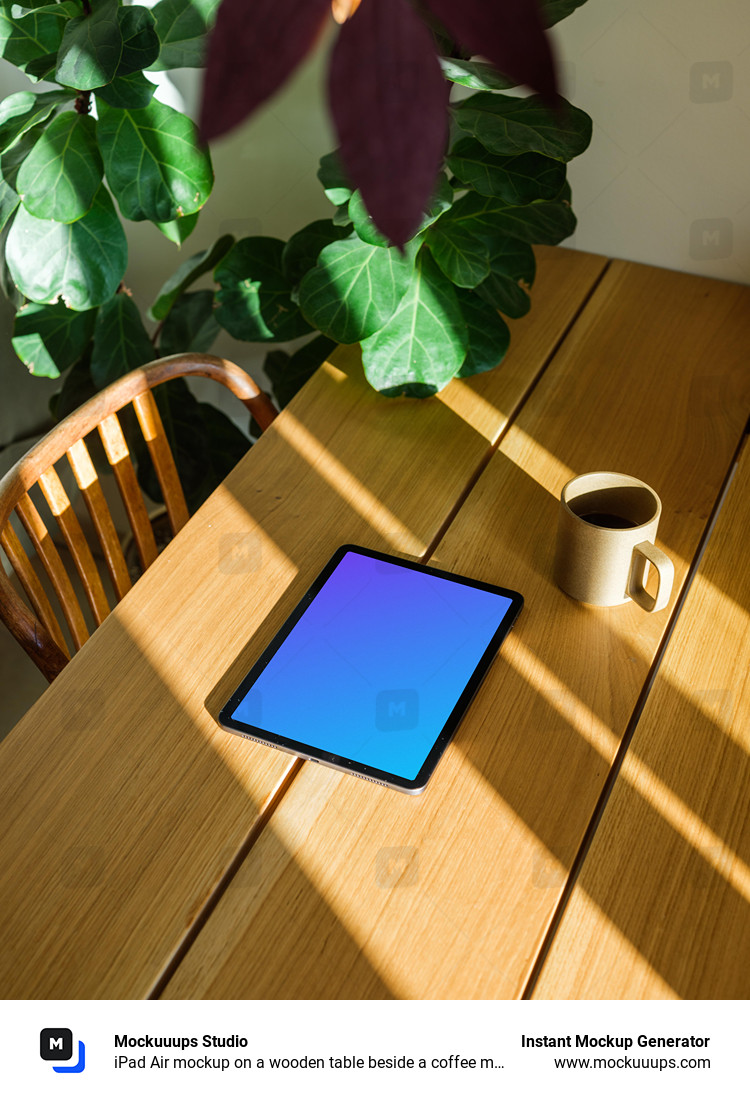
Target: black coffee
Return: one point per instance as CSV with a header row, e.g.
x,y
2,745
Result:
x,y
608,519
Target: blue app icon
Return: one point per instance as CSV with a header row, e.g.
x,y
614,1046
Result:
x,y
56,1045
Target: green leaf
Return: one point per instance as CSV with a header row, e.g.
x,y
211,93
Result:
x,y
336,184
515,180
132,91
475,74
254,295
153,162
288,373
424,343
9,200
182,26
191,324
354,288
460,255
505,294
366,230
9,288
27,38
121,343
489,336
49,339
23,110
82,262
178,230
535,222
14,156
77,387
555,10
509,256
140,42
341,216
186,274
63,172
507,125
91,48
301,251
32,352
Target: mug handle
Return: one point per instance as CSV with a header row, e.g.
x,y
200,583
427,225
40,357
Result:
x,y
642,553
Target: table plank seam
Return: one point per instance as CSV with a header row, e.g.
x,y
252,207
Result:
x,y
199,921
596,817
512,417
285,784
291,774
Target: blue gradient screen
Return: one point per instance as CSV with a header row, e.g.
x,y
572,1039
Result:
x,y
376,664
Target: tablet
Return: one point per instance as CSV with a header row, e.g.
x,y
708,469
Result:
x,y
374,668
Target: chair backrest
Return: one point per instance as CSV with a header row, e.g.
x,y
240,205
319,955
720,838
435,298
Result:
x,y
36,627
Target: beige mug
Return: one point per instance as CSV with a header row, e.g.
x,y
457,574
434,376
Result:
x,y
605,542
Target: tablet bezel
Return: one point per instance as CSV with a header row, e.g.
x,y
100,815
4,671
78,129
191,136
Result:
x,y
353,767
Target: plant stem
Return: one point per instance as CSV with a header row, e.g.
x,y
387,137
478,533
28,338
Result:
x,y
83,103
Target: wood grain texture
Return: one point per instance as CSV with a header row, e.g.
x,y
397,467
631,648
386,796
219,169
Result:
x,y
450,894
161,455
662,904
121,802
88,482
47,553
118,456
80,551
32,586
37,466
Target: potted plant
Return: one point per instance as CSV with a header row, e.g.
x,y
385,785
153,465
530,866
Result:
x,y
423,290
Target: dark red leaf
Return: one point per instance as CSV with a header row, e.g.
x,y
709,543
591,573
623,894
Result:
x,y
509,33
254,47
389,100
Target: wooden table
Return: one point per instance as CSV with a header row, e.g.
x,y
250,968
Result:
x,y
586,833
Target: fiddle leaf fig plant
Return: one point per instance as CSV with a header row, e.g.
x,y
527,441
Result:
x,y
434,208
76,160
435,309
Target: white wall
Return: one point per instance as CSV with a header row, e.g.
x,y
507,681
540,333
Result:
x,y
667,177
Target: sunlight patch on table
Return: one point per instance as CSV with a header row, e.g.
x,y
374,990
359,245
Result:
x,y
536,461
476,410
348,487
385,884
607,947
634,771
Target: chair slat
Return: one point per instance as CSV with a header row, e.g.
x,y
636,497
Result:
x,y
50,559
119,459
91,491
32,586
161,456
80,551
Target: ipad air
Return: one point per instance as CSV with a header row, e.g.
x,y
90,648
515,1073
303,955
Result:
x,y
375,667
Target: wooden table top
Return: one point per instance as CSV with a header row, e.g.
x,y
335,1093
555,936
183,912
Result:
x,y
147,853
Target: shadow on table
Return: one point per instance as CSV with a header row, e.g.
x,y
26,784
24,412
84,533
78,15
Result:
x,y
517,549
107,870
644,852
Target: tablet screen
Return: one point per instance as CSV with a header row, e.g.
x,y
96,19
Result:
x,y
370,668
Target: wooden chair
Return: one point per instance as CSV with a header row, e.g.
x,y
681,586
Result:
x,y
40,633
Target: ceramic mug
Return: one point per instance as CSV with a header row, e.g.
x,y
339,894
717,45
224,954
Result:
x,y
605,542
